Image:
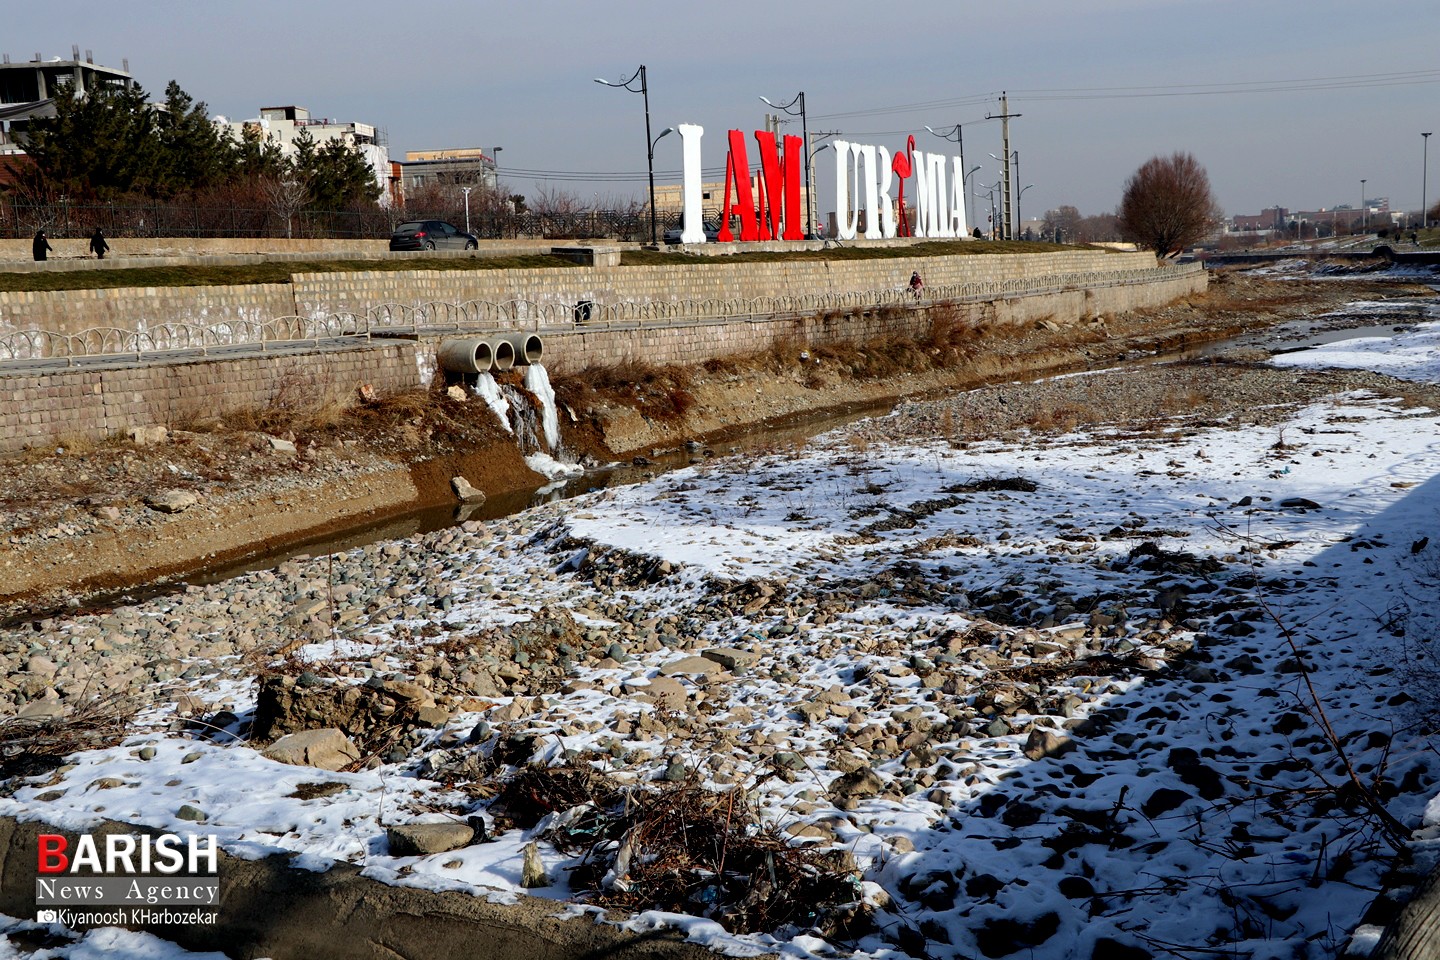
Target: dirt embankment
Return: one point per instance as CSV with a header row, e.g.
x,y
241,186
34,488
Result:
x,y
83,519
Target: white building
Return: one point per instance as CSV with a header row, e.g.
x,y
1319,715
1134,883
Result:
x,y
281,125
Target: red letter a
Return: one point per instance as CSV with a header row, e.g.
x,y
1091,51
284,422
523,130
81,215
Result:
x,y
737,174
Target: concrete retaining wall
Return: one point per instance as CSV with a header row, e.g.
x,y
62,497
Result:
x,y
70,311
570,349
97,403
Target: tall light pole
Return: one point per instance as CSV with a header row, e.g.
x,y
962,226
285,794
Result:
x,y
799,110
466,191
973,170
644,92
1424,172
1019,220
1364,213
495,165
651,159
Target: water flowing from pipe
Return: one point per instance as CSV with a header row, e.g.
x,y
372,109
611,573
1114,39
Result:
x,y
537,381
488,390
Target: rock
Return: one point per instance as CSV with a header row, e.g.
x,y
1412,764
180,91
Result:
x,y
1299,503
172,501
1162,801
42,710
1045,743
106,512
730,657
193,814
147,436
856,785
278,445
325,749
701,665
465,492
672,691
423,839
455,392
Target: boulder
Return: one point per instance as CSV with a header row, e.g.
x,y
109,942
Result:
x,y
423,839
172,501
324,749
465,492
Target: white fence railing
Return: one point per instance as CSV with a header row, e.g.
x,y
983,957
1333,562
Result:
x,y
441,316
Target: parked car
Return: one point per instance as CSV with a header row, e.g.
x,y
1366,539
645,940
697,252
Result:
x,y
712,233
431,235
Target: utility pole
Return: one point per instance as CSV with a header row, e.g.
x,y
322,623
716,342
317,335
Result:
x,y
1004,117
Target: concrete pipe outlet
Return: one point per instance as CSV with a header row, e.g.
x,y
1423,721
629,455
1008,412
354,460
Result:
x,y
471,355
528,347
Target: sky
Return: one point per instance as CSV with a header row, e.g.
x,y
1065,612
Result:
x,y
1288,102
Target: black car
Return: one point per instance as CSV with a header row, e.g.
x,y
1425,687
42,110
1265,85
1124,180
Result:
x,y
431,235
712,232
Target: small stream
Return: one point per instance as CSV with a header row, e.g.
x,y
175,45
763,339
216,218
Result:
x,y
536,432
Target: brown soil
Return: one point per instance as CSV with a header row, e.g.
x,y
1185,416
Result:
x,y
78,524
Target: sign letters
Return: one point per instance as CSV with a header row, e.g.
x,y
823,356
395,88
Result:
x,y
865,176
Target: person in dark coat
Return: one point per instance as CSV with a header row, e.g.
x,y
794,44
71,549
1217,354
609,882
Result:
x,y
98,246
42,246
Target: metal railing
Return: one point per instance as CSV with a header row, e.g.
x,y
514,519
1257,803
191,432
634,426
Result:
x,y
390,319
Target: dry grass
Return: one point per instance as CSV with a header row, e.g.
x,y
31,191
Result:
x,y
660,393
31,747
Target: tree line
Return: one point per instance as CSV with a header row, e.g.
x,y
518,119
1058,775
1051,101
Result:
x,y
113,145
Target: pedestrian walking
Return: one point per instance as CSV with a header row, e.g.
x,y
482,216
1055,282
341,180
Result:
x,y
98,246
41,245
916,284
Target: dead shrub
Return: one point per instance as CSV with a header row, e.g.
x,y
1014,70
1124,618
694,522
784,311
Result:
x,y
658,392
29,747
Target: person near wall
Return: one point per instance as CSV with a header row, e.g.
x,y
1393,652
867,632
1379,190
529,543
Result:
x,y
916,284
98,246
41,245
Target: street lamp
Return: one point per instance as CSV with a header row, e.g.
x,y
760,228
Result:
x,y
1424,171
644,92
651,160
1012,156
1019,220
495,164
973,170
799,100
1364,213
466,191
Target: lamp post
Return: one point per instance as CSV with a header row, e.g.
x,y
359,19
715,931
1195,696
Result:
x,y
650,158
644,92
1364,214
495,165
973,170
466,191
1019,220
799,104
1424,171
809,191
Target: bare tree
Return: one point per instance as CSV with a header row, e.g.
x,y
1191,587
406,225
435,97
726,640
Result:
x,y
1167,204
1061,222
285,195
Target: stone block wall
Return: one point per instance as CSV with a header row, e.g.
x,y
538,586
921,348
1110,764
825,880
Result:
x,y
335,292
570,349
141,308
39,408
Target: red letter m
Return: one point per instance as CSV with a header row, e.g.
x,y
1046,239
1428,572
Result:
x,y
780,187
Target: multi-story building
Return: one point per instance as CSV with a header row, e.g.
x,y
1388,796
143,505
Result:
x,y
281,125
27,90
461,167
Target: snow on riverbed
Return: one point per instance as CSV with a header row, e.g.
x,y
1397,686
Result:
x,y
980,598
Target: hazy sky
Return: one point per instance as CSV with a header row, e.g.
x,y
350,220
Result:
x,y
1286,102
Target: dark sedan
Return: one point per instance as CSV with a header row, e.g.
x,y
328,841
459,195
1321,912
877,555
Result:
x,y
431,235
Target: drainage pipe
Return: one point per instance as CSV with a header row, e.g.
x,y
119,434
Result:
x,y
471,355
502,353
528,347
